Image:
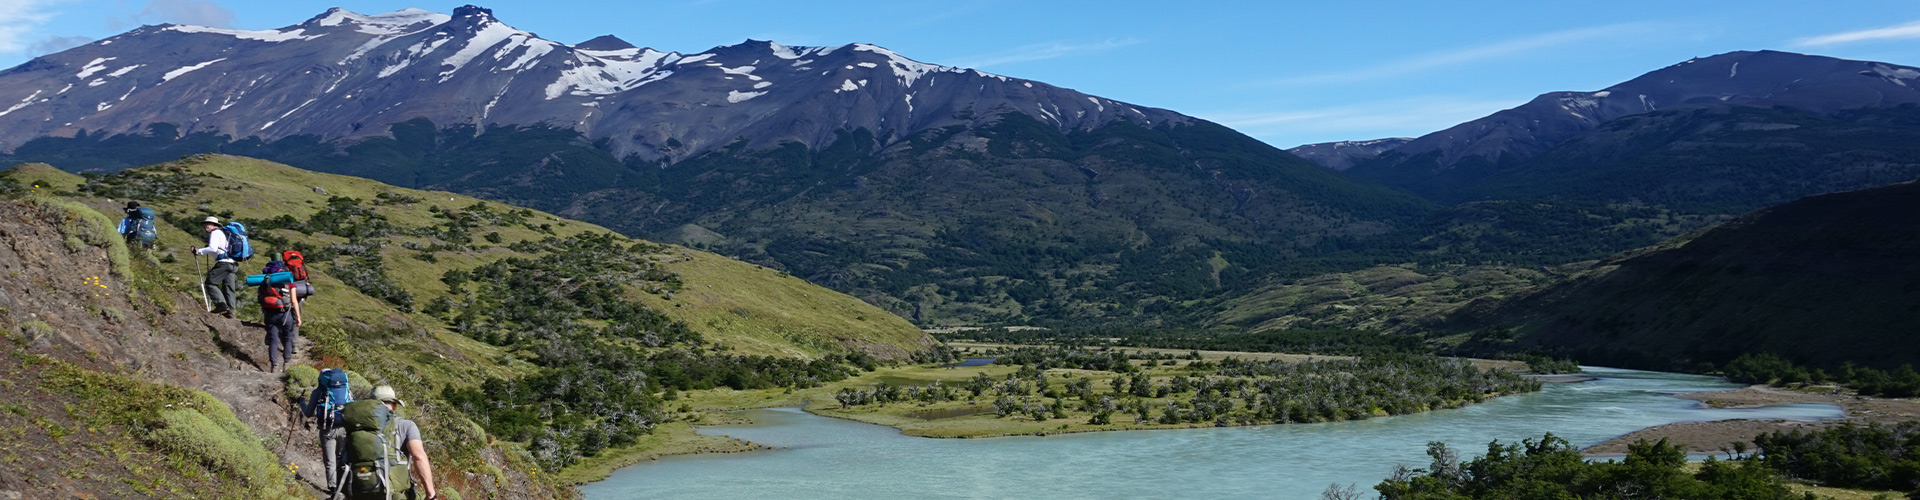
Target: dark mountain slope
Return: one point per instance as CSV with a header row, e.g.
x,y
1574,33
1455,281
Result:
x,y
1821,280
1442,164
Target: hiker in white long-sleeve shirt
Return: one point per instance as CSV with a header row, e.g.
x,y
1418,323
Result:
x,y
220,283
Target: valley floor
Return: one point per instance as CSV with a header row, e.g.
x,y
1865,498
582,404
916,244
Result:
x,y
964,418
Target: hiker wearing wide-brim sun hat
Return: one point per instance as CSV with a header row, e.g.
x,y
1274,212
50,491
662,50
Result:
x,y
221,283
407,434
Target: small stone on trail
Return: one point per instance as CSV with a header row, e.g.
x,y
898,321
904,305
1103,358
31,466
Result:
x,y
317,189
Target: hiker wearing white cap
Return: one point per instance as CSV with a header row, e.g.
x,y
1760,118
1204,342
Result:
x,y
220,283
407,434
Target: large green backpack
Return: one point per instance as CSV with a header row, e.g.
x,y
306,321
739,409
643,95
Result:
x,y
377,466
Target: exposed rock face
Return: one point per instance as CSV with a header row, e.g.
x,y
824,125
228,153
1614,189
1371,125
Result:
x,y
346,75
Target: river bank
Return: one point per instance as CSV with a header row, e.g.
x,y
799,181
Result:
x,y
820,457
1717,436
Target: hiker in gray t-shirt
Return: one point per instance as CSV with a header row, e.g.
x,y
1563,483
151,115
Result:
x,y
407,434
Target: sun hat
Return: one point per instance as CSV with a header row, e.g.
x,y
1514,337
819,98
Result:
x,y
385,394
211,220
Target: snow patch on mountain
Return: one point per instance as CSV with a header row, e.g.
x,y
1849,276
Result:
x,y
93,67
274,36
735,96
489,35
390,23
188,69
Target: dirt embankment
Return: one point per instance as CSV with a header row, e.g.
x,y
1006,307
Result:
x,y
64,299
1715,437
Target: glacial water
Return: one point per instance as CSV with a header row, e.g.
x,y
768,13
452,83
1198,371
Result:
x,y
821,457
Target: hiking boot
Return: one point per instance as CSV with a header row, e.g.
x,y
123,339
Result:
x,y
228,313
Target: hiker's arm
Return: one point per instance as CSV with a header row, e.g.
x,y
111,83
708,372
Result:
x,y
422,468
293,292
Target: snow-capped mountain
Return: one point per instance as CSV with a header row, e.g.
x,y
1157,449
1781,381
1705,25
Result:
x,y
1342,155
348,75
1757,79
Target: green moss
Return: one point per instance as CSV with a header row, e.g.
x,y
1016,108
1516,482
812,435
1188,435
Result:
x,y
227,447
195,431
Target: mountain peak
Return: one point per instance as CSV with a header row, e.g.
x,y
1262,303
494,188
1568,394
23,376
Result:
x,y
472,10
605,42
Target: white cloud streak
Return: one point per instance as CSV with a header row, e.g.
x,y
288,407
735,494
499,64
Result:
x,y
1467,55
1040,52
20,19
1901,32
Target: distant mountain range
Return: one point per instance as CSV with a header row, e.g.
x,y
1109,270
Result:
x,y
949,195
943,194
342,75
1341,155
1465,162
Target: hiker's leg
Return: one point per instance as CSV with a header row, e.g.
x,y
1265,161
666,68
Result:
x,y
220,285
330,454
211,286
272,322
232,286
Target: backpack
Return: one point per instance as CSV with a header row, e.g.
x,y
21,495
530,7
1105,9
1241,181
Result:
x,y
238,248
377,468
273,297
273,266
296,264
334,380
140,225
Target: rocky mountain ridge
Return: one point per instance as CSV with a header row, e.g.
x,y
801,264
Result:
x,y
344,75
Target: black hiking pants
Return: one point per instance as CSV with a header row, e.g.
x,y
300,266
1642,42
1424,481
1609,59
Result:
x,y
282,332
221,284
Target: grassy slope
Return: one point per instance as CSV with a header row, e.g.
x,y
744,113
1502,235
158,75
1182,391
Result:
x,y
750,308
1386,298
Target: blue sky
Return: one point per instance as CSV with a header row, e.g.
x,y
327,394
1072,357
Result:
x,y
1285,72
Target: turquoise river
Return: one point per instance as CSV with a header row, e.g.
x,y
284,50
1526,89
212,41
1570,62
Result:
x,y
821,457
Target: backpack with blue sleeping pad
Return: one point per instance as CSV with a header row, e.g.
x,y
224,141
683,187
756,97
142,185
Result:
x,y
238,248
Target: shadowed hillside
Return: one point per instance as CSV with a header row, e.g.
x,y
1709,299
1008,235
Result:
x,y
1822,280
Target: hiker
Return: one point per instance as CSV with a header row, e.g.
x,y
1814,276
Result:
x,y
281,311
228,245
378,443
137,227
325,404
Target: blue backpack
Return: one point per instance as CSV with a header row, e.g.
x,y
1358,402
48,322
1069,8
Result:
x,y
238,248
334,380
139,225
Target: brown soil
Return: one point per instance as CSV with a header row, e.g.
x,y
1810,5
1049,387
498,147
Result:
x,y
1712,437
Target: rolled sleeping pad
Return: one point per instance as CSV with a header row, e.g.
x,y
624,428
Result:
x,y
279,278
302,289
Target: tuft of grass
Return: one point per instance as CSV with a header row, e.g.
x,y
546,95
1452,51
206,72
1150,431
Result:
x,y
84,227
226,447
197,432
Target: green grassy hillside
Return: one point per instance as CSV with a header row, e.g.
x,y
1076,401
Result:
x,y
750,308
526,342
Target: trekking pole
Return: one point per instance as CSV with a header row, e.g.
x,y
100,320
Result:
x,y
204,303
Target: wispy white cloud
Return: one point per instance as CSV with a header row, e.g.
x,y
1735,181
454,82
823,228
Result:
x,y
1900,32
1478,53
21,20
1040,52
1389,118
